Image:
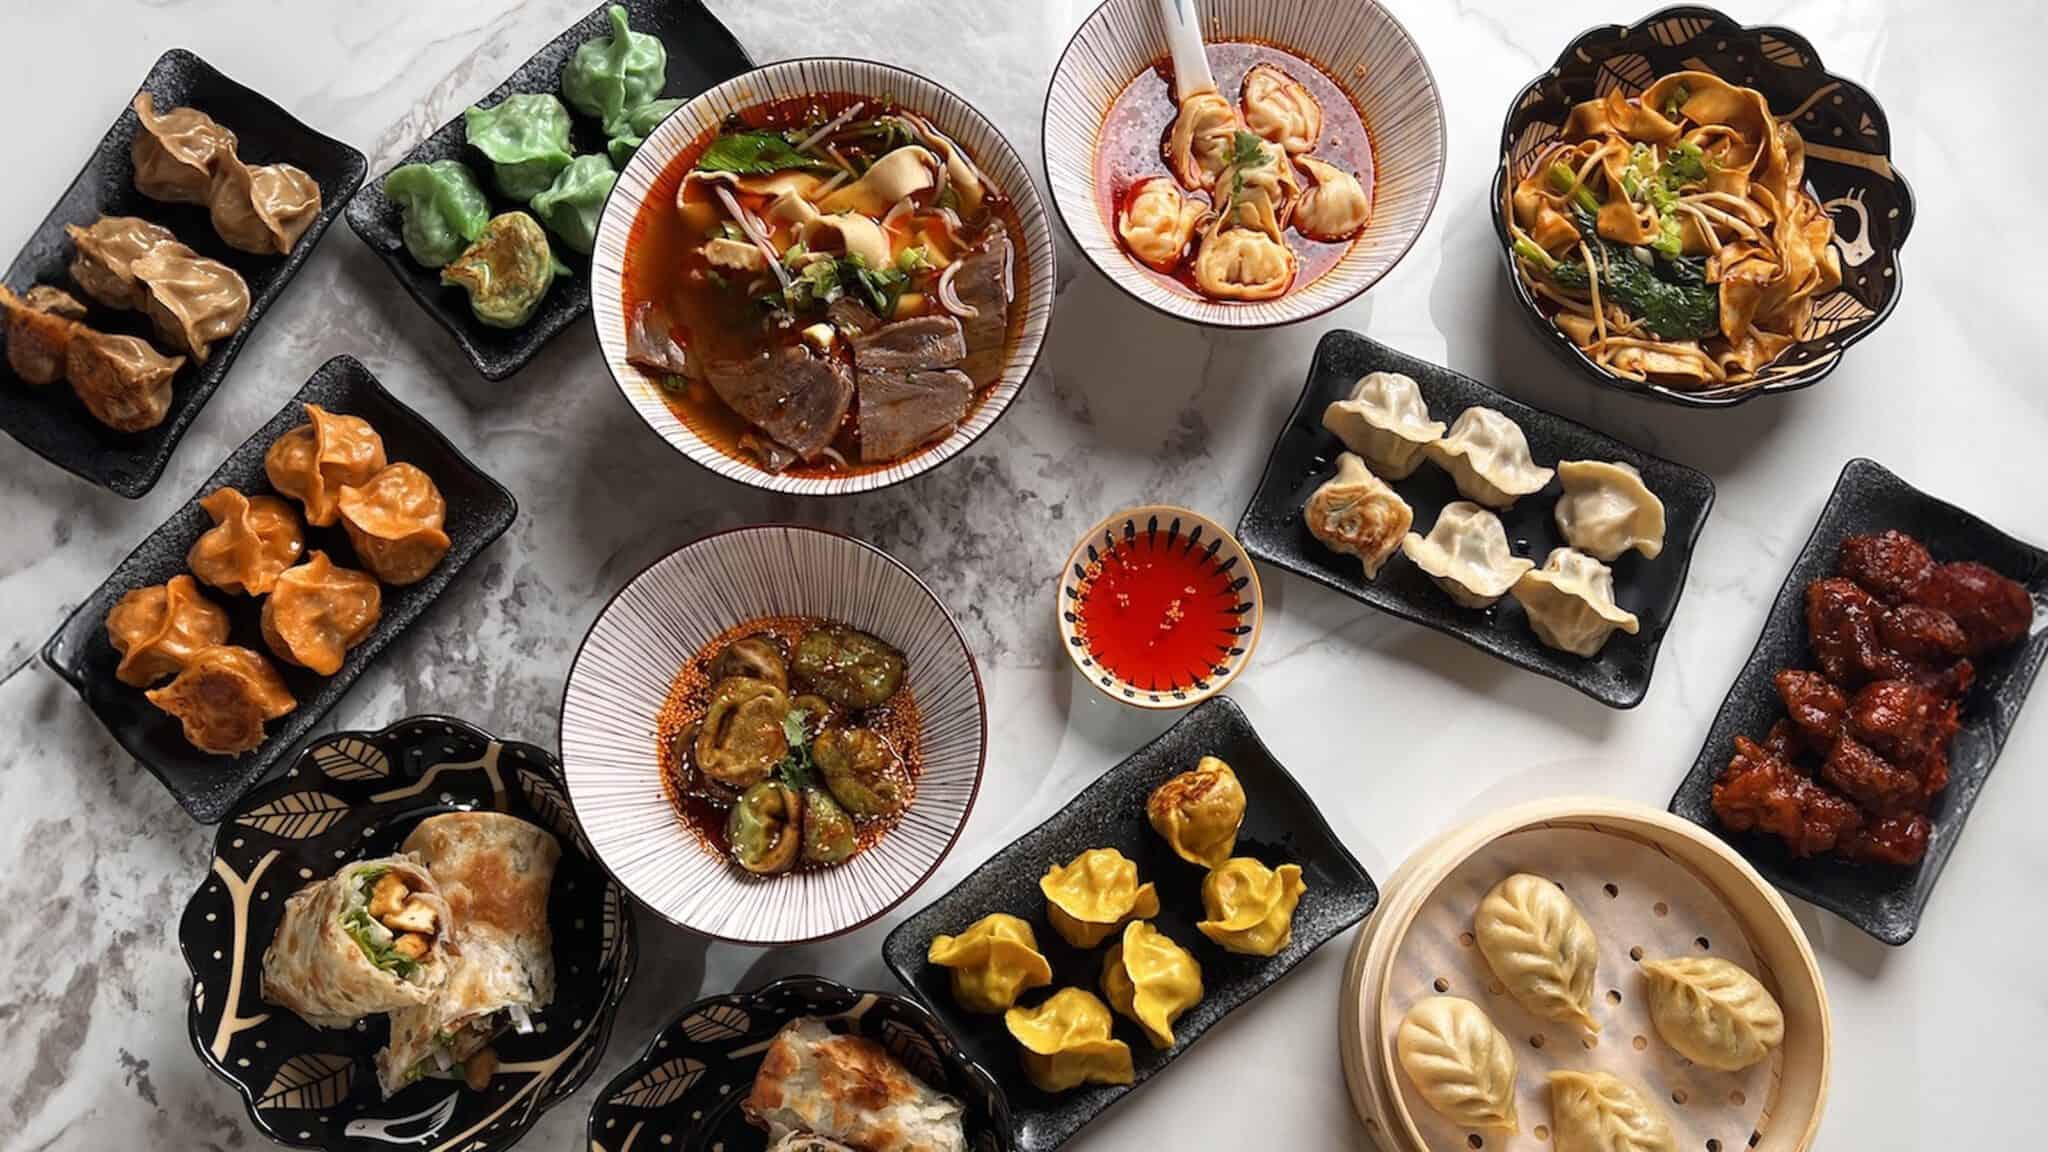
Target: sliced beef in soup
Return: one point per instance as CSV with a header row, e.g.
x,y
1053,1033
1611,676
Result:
x,y
792,394
925,342
983,284
901,410
852,317
651,342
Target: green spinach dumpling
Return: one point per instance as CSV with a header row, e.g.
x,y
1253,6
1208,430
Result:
x,y
610,76
573,203
525,136
640,123
444,209
506,271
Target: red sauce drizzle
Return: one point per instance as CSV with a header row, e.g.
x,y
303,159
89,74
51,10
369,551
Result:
x,y
1157,611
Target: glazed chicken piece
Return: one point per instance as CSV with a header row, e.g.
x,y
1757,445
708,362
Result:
x,y
1900,840
1842,627
1890,564
1761,791
1817,707
1878,786
1902,721
1992,611
1923,634
1784,742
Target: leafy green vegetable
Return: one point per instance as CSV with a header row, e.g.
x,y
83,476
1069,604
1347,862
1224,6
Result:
x,y
823,281
1671,296
913,260
1246,151
1566,181
1684,162
357,924
795,768
755,154
1529,250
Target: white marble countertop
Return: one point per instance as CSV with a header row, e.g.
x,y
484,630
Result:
x,y
1397,730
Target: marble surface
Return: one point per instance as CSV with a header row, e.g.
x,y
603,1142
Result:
x,y
1397,730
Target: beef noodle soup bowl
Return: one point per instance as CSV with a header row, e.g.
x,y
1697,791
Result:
x,y
824,276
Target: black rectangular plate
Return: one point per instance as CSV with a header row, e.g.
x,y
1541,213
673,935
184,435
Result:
x,y
479,511
1281,826
702,53
1273,531
50,421
1883,901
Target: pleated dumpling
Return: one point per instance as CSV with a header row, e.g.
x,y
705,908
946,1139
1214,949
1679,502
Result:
x,y
1156,222
1335,207
1539,945
313,461
122,380
223,697
1151,980
39,325
253,539
1570,603
992,962
159,628
1092,896
1712,1012
103,258
1595,1112
1460,1064
175,151
1606,510
394,520
1250,907
261,208
1467,554
1488,458
1244,264
192,301
317,611
1281,109
1202,141
1066,1042
1198,812
1386,423
1354,512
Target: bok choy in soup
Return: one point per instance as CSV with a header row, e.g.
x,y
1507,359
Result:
x,y
824,285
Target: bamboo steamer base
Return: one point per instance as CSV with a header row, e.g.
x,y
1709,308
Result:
x,y
1796,1088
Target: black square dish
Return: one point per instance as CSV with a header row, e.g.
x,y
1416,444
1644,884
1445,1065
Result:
x,y
479,511
702,53
1884,901
1273,531
49,420
1281,826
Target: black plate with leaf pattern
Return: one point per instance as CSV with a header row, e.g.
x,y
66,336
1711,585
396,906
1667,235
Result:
x,y
356,795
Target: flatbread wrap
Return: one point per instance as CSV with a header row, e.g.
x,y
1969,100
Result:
x,y
373,937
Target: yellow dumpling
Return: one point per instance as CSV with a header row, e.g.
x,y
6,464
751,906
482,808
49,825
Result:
x,y
1152,980
1067,1043
1251,906
1198,812
994,960
1092,897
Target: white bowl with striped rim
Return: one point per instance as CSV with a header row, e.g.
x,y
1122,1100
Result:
x,y
784,80
1358,45
663,617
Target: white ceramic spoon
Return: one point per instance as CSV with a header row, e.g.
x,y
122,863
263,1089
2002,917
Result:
x,y
1183,24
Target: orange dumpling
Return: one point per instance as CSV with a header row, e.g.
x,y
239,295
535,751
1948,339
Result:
x,y
317,612
223,697
311,462
252,540
158,629
395,523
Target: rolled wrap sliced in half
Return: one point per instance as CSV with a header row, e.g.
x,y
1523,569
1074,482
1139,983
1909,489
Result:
x,y
495,871
371,938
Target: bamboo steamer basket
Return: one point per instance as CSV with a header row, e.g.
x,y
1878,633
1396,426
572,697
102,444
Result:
x,y
1796,1091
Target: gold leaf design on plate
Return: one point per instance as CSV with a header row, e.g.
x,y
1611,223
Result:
x,y
1678,29
309,1082
352,758
1534,136
1834,312
1781,53
553,807
717,1022
662,1086
296,816
911,1047
1629,72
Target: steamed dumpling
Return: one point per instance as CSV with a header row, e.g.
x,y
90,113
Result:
x,y
103,258
1335,207
395,520
191,300
1281,109
1200,145
158,629
1467,554
312,462
1539,945
252,541
40,325
223,697
1607,510
1386,422
1089,899
995,960
1459,1062
443,209
122,380
1354,512
1595,1112
263,208
1712,1012
175,151
1488,458
609,76
572,206
525,136
1151,980
1570,603
1157,221
1244,264
1197,812
1250,907
317,611
1067,1042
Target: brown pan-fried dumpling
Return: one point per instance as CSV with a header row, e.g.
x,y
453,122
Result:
x,y
159,628
223,697
263,208
311,462
103,258
316,612
192,300
252,541
39,327
121,380
175,153
395,521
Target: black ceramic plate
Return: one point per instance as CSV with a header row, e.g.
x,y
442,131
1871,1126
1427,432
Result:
x,y
479,511
1281,826
355,796
701,54
1273,531
1848,167
684,1091
1883,901
50,421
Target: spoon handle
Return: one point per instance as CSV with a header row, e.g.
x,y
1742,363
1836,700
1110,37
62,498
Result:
x,y
1183,24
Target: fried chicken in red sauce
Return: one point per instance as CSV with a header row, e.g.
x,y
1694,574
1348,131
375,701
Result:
x,y
1923,634
1992,610
1842,626
1878,786
1902,721
1784,742
1890,564
1900,840
1761,791
1818,709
